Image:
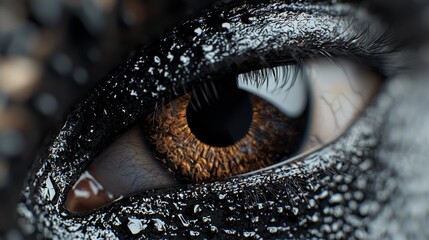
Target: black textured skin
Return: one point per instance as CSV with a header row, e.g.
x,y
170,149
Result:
x,y
345,190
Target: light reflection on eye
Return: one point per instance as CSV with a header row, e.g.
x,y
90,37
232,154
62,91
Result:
x,y
229,126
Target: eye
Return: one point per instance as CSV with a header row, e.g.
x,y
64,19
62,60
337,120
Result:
x,y
313,67
231,125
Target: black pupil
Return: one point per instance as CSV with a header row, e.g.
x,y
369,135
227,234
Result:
x,y
220,114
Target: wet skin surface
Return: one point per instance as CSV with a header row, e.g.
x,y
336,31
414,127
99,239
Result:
x,y
351,188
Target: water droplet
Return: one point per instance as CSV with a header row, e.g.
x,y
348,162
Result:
x,y
160,88
207,48
133,93
136,225
198,31
295,211
159,224
197,208
323,194
272,229
184,222
185,60
48,191
170,56
226,25
336,198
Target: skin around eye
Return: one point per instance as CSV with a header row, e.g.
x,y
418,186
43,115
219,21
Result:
x,y
311,197
242,124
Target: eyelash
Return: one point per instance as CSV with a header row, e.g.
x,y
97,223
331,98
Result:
x,y
261,75
378,54
75,128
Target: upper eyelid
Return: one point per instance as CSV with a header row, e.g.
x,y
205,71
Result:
x,y
180,62
131,88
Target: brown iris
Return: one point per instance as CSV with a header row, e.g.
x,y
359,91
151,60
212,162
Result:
x,y
213,134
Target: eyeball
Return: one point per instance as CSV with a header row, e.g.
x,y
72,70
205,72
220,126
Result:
x,y
227,126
